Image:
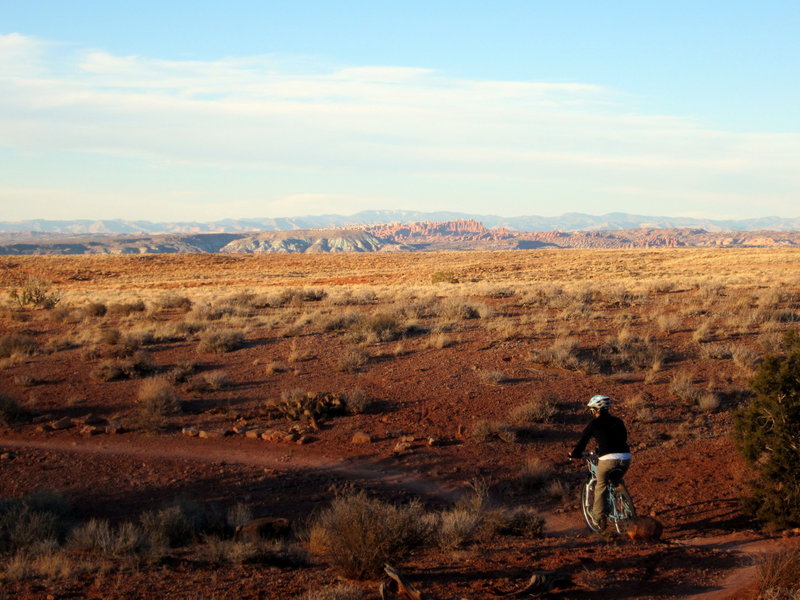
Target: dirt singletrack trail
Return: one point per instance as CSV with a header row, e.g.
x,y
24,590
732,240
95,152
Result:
x,y
207,451
747,546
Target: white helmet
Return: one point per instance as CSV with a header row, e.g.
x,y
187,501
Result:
x,y
599,402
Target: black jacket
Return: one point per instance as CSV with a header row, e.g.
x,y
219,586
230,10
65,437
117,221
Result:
x,y
608,431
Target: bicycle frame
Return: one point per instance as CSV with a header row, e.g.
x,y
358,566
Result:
x,y
619,505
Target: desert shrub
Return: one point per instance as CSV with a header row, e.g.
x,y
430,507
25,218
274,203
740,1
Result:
x,y
340,591
100,537
708,401
444,277
352,360
456,527
487,431
704,332
535,473
779,575
217,380
521,521
219,551
181,372
124,309
32,520
438,341
94,309
717,351
180,524
767,432
174,301
682,387
298,405
238,515
17,344
357,534
10,411
562,353
459,309
358,402
541,408
744,357
156,400
109,370
668,322
34,292
492,376
220,341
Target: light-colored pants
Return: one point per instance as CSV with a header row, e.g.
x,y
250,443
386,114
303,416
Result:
x,y
604,468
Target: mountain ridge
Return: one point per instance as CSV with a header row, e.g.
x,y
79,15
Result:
x,y
526,223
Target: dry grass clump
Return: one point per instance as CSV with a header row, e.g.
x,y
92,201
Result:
x,y
141,364
357,534
779,575
521,521
352,360
563,353
220,341
640,407
181,372
350,297
31,521
174,302
541,408
10,411
17,344
683,388
124,309
486,431
439,341
217,380
340,591
708,401
491,376
535,473
456,527
278,553
459,309
358,402
98,536
717,351
156,400
668,322
34,292
745,358
704,332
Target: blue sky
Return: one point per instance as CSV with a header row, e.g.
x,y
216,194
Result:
x,y
206,110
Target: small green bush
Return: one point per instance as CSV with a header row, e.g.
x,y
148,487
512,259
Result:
x,y
767,432
34,292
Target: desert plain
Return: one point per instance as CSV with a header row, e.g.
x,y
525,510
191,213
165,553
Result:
x,y
157,403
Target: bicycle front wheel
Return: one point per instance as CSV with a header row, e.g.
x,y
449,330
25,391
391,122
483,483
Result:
x,y
587,502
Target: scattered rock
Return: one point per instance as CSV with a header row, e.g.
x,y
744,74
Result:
x,y
361,437
272,435
434,441
7,456
90,430
114,428
64,423
407,438
264,528
240,429
209,434
305,439
462,433
291,437
190,431
253,434
401,448
645,529
44,428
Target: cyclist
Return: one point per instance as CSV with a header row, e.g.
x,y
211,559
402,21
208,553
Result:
x,y
613,451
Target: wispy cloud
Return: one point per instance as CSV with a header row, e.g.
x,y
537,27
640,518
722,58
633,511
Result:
x,y
263,113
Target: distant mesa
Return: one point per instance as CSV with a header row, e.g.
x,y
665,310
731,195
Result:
x,y
104,237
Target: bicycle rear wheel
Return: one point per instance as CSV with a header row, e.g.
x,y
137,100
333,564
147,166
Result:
x,y
623,508
587,502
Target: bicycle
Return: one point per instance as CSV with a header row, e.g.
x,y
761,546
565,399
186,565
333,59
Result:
x,y
620,509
